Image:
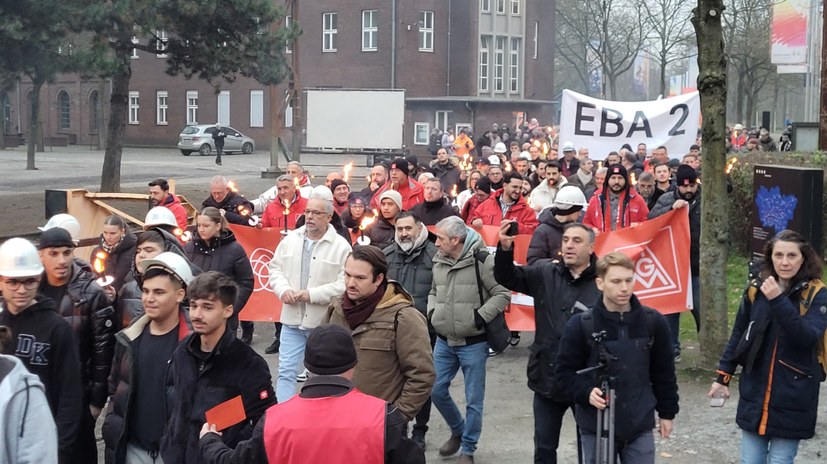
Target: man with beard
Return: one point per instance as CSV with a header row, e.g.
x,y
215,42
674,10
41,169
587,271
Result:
x,y
447,172
617,206
211,366
583,178
508,203
229,202
380,313
409,189
435,207
543,196
687,194
646,188
560,289
159,195
410,262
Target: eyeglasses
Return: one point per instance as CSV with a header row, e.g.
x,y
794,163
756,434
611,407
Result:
x,y
28,284
311,212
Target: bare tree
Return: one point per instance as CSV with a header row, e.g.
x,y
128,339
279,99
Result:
x,y
669,30
747,25
600,34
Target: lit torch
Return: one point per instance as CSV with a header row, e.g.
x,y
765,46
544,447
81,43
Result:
x,y
296,183
183,235
286,213
252,219
346,170
730,165
232,186
366,221
508,166
633,178
100,268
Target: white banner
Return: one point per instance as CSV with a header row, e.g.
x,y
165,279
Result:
x,y
604,126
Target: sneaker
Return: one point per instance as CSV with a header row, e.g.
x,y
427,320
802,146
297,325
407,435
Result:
x,y
451,446
274,347
302,377
515,339
677,356
492,353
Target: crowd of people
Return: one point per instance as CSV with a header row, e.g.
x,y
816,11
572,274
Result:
x,y
387,294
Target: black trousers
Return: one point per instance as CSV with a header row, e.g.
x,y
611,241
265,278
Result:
x,y
424,414
548,420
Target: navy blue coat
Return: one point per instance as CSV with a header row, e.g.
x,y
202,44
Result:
x,y
786,360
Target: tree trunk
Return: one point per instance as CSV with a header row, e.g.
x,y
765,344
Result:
x,y
118,107
35,128
712,85
101,127
663,79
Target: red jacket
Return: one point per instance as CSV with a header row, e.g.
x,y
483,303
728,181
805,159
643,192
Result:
x,y
492,214
173,204
274,213
632,209
468,209
411,191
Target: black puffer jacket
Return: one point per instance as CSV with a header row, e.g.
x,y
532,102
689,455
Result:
x,y
115,425
231,205
202,382
664,205
448,175
431,212
118,260
556,294
414,270
87,309
129,306
547,239
380,233
225,255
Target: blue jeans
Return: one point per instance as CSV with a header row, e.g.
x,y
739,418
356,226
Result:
x,y
757,449
674,320
448,360
291,358
640,450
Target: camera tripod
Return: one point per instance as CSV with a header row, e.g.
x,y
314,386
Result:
x,y
604,452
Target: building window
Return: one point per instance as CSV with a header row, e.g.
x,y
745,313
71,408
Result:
x,y
421,130
460,126
288,44
329,31
161,44
426,31
161,107
484,63
515,7
256,108
499,64
64,105
369,30
500,6
192,107
94,111
536,38
223,105
134,106
441,119
135,50
485,6
514,67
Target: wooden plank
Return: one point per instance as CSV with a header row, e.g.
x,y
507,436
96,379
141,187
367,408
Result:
x,y
114,210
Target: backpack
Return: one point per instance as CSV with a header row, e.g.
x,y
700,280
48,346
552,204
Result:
x,y
587,326
496,331
807,296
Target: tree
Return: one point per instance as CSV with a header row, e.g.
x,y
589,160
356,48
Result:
x,y
600,34
747,24
712,85
208,39
668,25
34,36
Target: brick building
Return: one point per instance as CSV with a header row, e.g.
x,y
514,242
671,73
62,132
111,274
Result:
x,y
461,63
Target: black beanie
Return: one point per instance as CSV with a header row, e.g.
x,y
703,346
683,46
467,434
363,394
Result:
x,y
402,165
329,350
484,184
55,237
336,183
686,175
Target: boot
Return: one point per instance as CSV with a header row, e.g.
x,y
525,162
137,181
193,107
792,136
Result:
x,y
451,446
274,347
465,459
418,437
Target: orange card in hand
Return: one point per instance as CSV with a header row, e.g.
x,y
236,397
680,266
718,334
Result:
x,y
227,414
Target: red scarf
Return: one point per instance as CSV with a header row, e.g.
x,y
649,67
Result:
x,y
607,211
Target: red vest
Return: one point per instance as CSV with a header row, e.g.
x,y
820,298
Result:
x,y
331,430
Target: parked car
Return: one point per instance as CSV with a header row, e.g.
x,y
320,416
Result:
x,y
199,139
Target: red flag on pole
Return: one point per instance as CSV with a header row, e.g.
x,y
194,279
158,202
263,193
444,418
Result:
x,y
260,245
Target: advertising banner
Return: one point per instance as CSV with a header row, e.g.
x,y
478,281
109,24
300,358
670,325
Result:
x,y
789,32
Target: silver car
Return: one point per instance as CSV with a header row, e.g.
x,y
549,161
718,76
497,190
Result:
x,y
199,139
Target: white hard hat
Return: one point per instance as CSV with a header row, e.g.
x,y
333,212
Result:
x,y
19,258
160,216
525,155
494,160
739,127
500,148
66,222
570,195
172,262
568,146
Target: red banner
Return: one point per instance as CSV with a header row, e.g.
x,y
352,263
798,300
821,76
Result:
x,y
660,249
260,245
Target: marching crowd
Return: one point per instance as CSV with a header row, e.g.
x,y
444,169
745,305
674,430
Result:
x,y
387,294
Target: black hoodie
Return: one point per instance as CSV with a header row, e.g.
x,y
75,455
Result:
x,y
547,239
44,342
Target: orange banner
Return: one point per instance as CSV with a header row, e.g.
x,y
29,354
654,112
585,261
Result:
x,y
227,414
660,249
260,244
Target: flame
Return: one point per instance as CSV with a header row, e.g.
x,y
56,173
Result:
x,y
243,211
454,191
633,178
296,183
508,166
99,265
232,186
286,207
346,170
730,165
183,235
366,221
599,164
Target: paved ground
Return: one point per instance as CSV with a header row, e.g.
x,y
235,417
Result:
x,y
702,434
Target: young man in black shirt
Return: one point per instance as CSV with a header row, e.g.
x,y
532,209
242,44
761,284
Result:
x,y
136,417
